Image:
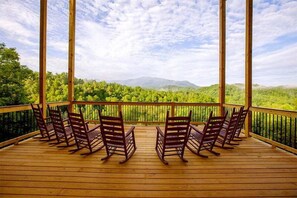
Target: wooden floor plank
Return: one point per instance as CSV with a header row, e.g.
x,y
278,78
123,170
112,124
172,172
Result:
x,y
251,169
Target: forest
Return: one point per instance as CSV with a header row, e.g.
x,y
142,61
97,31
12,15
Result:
x,y
19,85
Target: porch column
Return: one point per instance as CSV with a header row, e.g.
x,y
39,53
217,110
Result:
x,y
71,53
42,56
222,55
248,64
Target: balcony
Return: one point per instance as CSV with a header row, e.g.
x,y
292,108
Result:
x,y
253,168
262,165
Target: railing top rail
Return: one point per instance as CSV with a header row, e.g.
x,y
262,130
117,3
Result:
x,y
15,108
145,103
232,105
287,113
292,114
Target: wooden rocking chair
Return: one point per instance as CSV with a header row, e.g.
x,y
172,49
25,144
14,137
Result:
x,y
63,131
205,139
174,139
229,127
115,139
236,136
85,137
45,127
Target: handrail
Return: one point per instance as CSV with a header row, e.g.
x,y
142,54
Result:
x,y
274,126
18,122
277,126
287,113
292,114
15,108
147,103
147,112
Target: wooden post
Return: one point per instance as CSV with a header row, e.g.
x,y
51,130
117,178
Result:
x,y
248,64
42,56
222,55
172,109
119,107
71,53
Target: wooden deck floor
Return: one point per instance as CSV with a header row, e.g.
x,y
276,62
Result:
x,y
252,169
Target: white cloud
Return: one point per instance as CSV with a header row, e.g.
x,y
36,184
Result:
x,y
163,38
144,38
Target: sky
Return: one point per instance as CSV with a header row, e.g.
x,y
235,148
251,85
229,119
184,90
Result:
x,y
171,39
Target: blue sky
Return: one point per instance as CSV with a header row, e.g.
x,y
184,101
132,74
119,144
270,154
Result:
x,y
172,39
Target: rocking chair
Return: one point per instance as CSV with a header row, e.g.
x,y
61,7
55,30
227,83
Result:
x,y
85,137
115,139
45,127
205,139
63,132
229,127
174,139
236,135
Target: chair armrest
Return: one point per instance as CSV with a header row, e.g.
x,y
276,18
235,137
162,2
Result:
x,y
131,130
159,131
87,124
195,128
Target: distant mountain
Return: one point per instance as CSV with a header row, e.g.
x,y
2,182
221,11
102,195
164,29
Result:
x,y
155,83
257,86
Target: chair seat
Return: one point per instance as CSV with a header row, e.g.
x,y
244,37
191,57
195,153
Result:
x,y
93,134
197,135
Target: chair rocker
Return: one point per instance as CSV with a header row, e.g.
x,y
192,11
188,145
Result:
x,y
45,127
63,131
85,137
228,129
205,139
236,135
174,138
116,140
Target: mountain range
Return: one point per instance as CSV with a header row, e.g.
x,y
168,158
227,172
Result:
x,y
166,84
155,83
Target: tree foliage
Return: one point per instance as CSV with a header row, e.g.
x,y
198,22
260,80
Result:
x,y
19,85
12,77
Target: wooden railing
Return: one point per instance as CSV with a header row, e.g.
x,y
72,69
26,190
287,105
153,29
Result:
x,y
17,123
277,127
146,112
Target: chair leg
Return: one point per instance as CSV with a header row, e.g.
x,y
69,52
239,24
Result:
x,y
215,153
183,159
201,155
161,157
106,157
129,155
180,153
223,146
93,151
109,151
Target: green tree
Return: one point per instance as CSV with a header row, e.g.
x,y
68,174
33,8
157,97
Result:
x,y
12,77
